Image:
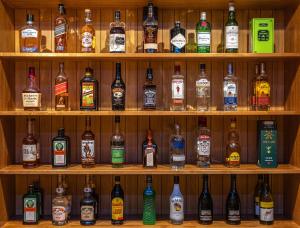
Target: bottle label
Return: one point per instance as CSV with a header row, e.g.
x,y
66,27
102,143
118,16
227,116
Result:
x,y
150,97
88,93
230,93
61,88
177,89
176,209
29,33
257,207
117,43
233,158
118,96
205,215
266,214
263,92
203,145
60,29
29,153
118,155
58,213
203,39
117,209
87,150
178,41
87,40
87,213
203,88
149,151
177,144
150,34
59,153
30,210
232,37
31,100
234,215
178,158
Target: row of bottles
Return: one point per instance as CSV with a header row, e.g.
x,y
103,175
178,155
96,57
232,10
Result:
x,y
89,204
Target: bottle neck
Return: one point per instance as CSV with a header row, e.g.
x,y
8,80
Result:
x,y
176,188
30,127
150,11
61,69
149,185
88,124
117,128
231,15
233,184
205,185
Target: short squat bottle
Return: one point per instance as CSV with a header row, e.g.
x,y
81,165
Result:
x,y
87,208
176,204
30,207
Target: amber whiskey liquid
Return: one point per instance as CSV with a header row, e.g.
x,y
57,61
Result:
x,y
29,36
87,34
61,90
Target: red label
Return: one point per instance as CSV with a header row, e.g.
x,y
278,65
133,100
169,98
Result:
x,y
263,100
61,88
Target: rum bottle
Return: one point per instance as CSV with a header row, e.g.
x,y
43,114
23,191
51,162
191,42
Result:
x,y
230,89
60,208
60,149
29,36
149,91
177,149
203,90
30,207
178,40
203,143
205,204
149,211
117,203
117,42
87,34
89,91
149,151
88,145
266,203
233,148
117,144
203,31
60,30
262,90
176,204
231,31
257,193
233,204
178,91
150,31
118,91
87,208
29,147
61,90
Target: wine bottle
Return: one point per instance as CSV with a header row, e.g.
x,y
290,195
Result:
x,y
205,204
233,204
266,203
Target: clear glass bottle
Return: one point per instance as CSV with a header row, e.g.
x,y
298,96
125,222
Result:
x,y
29,36
191,46
87,34
87,208
117,42
117,144
231,31
60,208
203,90
150,31
178,40
233,148
117,203
30,207
233,204
203,31
230,89
61,90
149,151
203,143
266,204
88,145
176,204
149,91
29,147
60,30
177,149
149,209
178,91
262,90
205,204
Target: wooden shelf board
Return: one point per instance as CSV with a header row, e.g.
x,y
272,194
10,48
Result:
x,y
106,169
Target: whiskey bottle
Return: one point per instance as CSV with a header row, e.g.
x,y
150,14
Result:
x,y
60,208
231,31
149,91
117,144
257,193
205,204
60,149
262,90
88,145
87,208
233,148
253,88
176,204
178,40
30,207
29,36
177,149
203,143
149,151
150,31
118,91
117,42
60,30
203,90
149,211
203,31
29,147
230,89
87,34
233,204
61,90
178,91
89,91
266,204
117,203
31,95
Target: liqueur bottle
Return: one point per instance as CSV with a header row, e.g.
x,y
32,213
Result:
x,y
117,144
178,91
60,30
117,42
149,91
257,193
203,143
230,89
205,204
88,145
176,204
150,31
262,90
203,90
30,207
88,91
39,192
177,149
178,40
31,95
60,149
149,151
149,211
253,89
233,148
203,31
29,36
118,91
266,204
233,204
87,34
29,147
231,31
117,203
60,208
61,90
87,208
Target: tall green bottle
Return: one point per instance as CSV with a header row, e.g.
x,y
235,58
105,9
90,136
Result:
x,y
203,31
149,212
231,31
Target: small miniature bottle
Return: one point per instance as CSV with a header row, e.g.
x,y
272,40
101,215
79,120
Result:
x,y
87,34
87,208
60,149
178,40
149,209
176,204
29,147
178,91
30,207
203,90
88,146
203,143
61,90
29,36
117,42
149,91
203,31
177,149
60,30
117,203
230,89
149,151
60,208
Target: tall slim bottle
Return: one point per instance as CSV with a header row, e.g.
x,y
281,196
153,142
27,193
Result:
x,y
231,31
118,91
266,204
61,90
149,211
233,204
176,204
257,193
117,203
60,30
205,204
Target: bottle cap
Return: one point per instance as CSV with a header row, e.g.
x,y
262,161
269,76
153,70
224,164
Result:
x,y
202,66
176,179
203,16
30,17
117,14
87,190
61,131
149,179
231,6
149,74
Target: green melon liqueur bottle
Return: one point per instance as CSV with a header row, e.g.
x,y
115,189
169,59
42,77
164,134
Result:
x,y
149,213
203,31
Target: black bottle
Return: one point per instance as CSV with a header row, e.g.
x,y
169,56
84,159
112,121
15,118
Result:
x,y
60,149
117,203
233,204
149,91
118,91
205,204
87,208
178,40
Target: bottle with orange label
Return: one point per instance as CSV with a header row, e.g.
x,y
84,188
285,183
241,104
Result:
x,y
61,90
60,149
262,90
117,203
233,148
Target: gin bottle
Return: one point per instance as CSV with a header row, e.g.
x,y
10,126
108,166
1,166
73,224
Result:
x,y
203,90
149,211
266,203
203,31
88,145
177,149
230,89
203,144
178,40
178,90
231,31
176,204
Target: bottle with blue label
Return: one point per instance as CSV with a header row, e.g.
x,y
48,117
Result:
x,y
230,88
177,152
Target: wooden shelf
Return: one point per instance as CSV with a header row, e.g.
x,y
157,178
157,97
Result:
x,y
106,169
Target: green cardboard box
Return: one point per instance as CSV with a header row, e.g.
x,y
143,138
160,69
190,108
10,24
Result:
x,y
261,37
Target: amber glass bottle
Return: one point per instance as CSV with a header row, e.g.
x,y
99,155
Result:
x,y
29,147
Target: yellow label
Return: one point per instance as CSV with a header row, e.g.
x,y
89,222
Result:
x,y
266,204
234,157
117,208
263,89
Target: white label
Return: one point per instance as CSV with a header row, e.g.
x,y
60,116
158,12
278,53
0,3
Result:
x,y
31,100
176,209
58,213
149,156
150,46
202,88
205,215
178,158
203,145
59,159
266,214
230,89
117,43
178,41
29,33
87,40
29,152
234,215
232,37
87,149
203,38
87,213
30,207
177,89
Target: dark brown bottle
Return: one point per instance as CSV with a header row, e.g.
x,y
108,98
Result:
x,y
118,91
29,147
149,151
88,146
266,212
233,204
117,203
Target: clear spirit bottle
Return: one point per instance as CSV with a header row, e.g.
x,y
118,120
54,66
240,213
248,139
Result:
x,y
178,90
203,143
205,204
117,35
150,31
87,34
149,210
176,204
117,144
231,31
178,40
203,90
262,90
60,208
230,89
177,149
149,151
60,30
29,147
149,91
203,31
29,36
61,90
88,145
233,148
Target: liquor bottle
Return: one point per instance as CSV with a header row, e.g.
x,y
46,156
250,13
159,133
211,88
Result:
x,y
29,36
176,204
88,91
149,91
230,89
61,90
266,204
191,46
253,88
178,91
205,204
150,31
87,34
87,208
88,145
30,207
117,35
233,148
262,90
233,204
31,95
118,91
203,31
117,144
257,192
177,151
149,211
203,90
231,31
60,208
60,30
39,192
29,147
117,203
178,40
60,149
203,143
149,151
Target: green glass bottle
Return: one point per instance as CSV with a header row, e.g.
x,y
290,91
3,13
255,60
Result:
x,y
149,213
231,31
31,207
203,31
